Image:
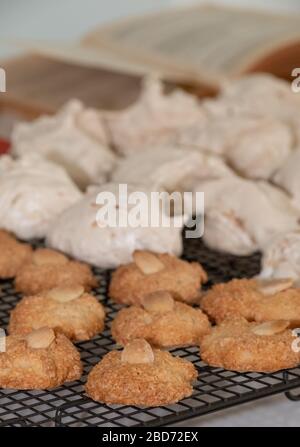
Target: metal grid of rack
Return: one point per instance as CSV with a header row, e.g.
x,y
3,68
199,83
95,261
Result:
x,y
214,390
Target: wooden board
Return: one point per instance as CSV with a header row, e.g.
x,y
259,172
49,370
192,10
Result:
x,y
38,85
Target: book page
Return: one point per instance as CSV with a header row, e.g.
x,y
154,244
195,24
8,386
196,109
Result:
x,y
208,42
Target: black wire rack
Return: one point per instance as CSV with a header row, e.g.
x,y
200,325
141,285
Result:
x,y
214,390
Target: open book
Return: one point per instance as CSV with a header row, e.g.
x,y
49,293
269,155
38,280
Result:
x,y
204,43
194,46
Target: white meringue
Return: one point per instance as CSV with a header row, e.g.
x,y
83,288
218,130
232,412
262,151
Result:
x,y
259,153
281,256
79,233
73,138
169,168
242,215
288,176
153,119
33,191
264,95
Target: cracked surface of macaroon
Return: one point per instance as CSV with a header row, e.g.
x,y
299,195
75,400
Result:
x,y
13,255
48,269
69,310
162,321
142,376
40,360
150,272
241,346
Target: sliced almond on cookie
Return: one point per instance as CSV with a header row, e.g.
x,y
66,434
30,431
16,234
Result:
x,y
270,327
65,294
40,338
147,262
137,351
46,256
275,285
159,302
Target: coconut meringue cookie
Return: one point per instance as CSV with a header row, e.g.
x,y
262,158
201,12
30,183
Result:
x,y
33,191
80,232
169,168
242,215
153,119
281,256
74,138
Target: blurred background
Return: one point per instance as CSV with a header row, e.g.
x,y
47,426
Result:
x,y
70,19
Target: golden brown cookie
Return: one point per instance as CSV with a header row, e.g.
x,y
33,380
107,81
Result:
x,y
161,321
241,346
13,255
42,359
150,272
78,315
141,376
241,297
49,269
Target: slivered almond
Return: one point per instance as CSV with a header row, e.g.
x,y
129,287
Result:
x,y
137,351
272,286
40,338
65,294
159,302
271,327
147,262
45,256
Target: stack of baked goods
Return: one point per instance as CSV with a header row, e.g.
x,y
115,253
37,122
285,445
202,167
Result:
x,y
240,149
58,309
243,325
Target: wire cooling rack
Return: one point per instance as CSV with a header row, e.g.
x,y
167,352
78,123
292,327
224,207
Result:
x,y
214,390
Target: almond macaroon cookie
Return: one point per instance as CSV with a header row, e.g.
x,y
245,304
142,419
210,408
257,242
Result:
x,y
142,376
244,297
42,359
48,269
70,310
150,272
162,321
241,346
13,255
